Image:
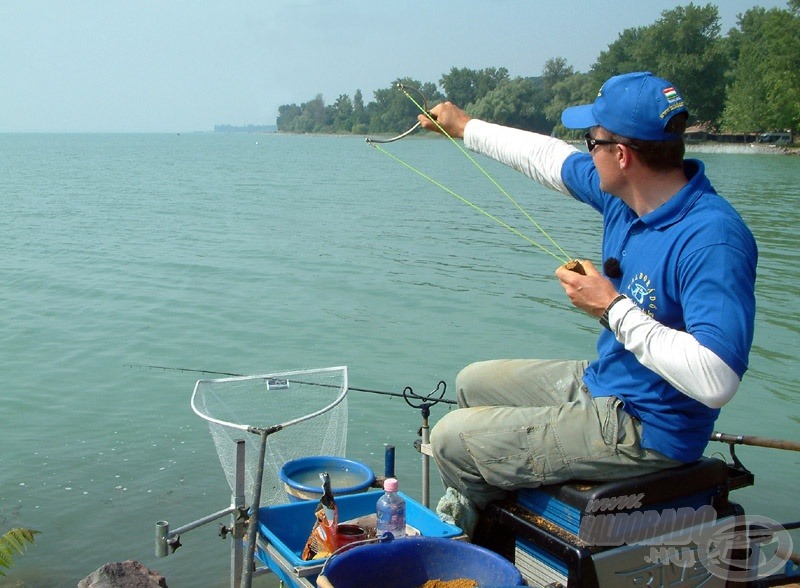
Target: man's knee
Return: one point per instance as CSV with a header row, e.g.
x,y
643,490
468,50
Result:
x,y
469,380
442,433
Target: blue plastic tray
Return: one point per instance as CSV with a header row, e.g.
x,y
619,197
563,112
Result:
x,y
287,526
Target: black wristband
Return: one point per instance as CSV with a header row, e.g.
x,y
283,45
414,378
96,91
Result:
x,y
604,318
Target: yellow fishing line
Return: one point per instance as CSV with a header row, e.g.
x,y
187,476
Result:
x,y
473,205
566,258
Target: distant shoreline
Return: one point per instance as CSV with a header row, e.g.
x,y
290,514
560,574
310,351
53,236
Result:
x,y
246,129
691,146
714,147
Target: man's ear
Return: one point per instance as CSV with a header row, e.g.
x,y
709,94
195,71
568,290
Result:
x,y
625,155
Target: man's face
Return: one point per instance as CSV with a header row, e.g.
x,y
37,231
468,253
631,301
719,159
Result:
x,y
605,154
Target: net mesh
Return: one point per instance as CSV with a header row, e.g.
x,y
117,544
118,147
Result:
x,y
310,405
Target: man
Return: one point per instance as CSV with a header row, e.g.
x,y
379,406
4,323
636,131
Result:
x,y
676,304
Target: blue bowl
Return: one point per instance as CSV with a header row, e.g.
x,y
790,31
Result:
x,y
301,479
412,561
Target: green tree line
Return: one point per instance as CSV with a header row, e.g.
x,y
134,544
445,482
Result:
x,y
745,81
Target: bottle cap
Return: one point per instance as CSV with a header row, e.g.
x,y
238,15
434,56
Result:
x,y
390,484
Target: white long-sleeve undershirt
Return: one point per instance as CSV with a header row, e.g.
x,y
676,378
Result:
x,y
537,156
675,355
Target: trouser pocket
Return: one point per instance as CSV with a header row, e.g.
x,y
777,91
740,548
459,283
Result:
x,y
608,409
510,458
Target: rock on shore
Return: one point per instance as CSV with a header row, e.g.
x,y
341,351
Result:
x,y
126,574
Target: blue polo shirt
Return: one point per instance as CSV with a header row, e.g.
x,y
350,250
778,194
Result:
x,y
691,265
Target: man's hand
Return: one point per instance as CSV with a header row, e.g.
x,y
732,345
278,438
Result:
x,y
449,117
591,293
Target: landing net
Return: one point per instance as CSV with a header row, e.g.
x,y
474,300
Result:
x,y
304,411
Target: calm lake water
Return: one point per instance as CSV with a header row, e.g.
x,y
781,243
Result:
x,y
255,254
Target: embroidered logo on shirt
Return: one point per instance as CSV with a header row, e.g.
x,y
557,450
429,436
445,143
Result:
x,y
643,293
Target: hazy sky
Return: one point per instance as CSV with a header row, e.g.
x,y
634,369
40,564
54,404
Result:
x,y
186,65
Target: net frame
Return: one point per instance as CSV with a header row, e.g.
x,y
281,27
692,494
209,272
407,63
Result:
x,y
264,431
236,405
311,401
276,376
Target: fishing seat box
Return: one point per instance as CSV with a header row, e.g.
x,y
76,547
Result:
x,y
284,530
543,530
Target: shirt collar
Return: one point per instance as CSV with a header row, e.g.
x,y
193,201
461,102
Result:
x,y
674,209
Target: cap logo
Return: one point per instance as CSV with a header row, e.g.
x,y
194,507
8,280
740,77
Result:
x,y
674,101
671,94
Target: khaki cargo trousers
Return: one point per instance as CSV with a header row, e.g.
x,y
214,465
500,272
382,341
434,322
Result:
x,y
523,423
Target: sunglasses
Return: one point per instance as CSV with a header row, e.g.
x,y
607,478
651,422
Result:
x,y
591,143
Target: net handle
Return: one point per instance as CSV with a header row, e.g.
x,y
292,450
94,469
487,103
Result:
x,y
287,375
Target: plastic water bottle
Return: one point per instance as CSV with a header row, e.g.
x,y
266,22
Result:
x,y
391,511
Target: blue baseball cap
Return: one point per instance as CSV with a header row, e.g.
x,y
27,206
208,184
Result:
x,y
634,105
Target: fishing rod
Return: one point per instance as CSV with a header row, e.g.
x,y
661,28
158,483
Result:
x,y
730,439
407,392
755,441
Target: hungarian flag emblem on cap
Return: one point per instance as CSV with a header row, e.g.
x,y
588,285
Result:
x,y
671,94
